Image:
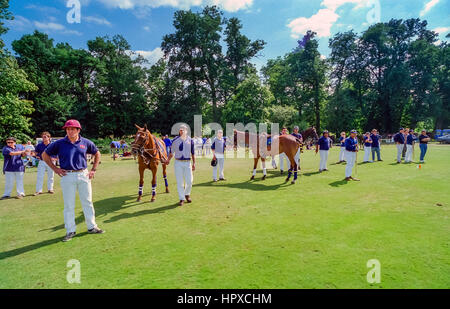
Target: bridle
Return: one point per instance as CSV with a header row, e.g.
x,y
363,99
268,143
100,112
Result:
x,y
147,154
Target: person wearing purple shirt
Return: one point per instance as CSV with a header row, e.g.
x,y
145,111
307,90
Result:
x,y
72,154
324,145
376,138
367,147
297,135
43,167
13,168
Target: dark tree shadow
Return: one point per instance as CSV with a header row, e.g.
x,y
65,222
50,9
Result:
x,y
311,174
339,183
19,251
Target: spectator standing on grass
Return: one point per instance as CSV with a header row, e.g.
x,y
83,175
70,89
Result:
x,y
376,140
424,139
43,167
367,147
323,147
13,168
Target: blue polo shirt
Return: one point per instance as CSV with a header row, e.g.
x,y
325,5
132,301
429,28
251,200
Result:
x,y
422,137
399,138
324,143
115,144
366,142
342,141
168,142
410,138
297,135
350,144
12,163
375,140
72,156
40,148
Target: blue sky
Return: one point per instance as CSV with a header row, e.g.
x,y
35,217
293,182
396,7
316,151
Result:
x,y
279,22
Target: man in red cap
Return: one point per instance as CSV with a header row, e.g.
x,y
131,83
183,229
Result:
x,y
72,151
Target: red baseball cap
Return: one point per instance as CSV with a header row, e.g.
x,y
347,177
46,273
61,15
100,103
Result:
x,y
72,123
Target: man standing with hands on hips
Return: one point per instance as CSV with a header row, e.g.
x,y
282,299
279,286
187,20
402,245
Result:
x,y
183,150
72,151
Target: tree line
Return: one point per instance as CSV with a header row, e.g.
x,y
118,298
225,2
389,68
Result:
x,y
393,74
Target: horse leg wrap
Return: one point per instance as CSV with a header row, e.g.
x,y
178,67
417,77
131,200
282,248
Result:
x,y
289,174
295,175
154,190
264,171
254,172
165,180
141,189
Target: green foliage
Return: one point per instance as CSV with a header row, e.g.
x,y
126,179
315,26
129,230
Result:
x,y
14,110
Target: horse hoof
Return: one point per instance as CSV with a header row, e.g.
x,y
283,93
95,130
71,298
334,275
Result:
x,y
292,182
252,178
264,177
152,200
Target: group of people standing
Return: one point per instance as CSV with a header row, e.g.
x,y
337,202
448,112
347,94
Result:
x,y
72,152
405,141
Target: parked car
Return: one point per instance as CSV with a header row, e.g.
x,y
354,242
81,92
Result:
x,y
444,139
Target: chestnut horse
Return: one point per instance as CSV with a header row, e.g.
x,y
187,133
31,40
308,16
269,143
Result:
x,y
150,151
287,144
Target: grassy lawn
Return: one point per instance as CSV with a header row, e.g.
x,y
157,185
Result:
x,y
318,233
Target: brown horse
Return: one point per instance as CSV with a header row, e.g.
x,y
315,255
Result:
x,y
287,144
150,152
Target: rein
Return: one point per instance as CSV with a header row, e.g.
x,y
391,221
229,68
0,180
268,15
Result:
x,y
144,152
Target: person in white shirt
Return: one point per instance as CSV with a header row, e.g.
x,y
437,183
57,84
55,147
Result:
x,y
183,150
218,149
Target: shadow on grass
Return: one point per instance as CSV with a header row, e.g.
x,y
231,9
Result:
x,y
338,183
142,213
253,185
311,174
105,207
19,251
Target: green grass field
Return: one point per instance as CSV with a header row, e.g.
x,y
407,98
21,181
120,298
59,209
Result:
x,y
318,233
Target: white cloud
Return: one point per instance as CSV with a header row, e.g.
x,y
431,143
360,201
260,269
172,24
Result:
x,y
97,20
428,7
228,5
55,27
152,56
442,30
320,23
146,28
49,26
323,20
18,23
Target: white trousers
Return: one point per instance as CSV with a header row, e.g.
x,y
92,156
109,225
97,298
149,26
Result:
x,y
184,176
342,154
9,183
282,158
399,152
70,184
297,157
219,166
42,168
409,153
323,159
350,157
367,152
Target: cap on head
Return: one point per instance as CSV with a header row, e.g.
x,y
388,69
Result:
x,y
296,128
325,132
401,129
72,123
11,139
354,131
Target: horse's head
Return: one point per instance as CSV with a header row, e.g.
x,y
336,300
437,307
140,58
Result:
x,y
140,140
310,133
